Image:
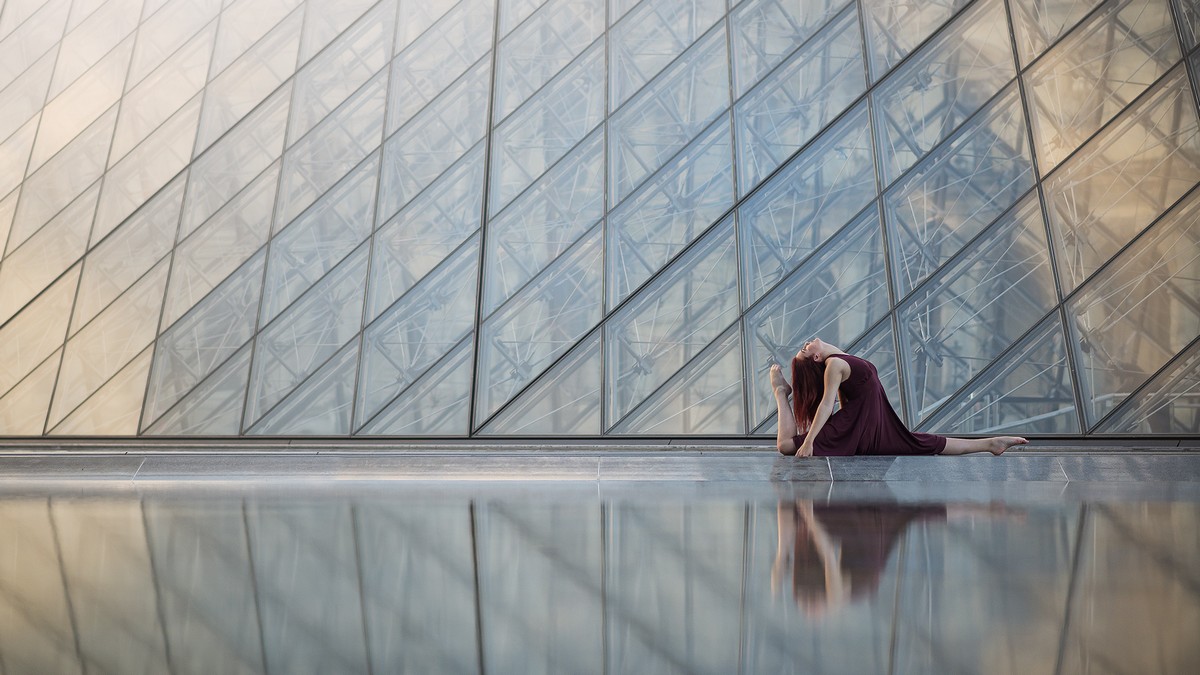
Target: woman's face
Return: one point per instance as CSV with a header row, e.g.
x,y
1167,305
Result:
x,y
810,349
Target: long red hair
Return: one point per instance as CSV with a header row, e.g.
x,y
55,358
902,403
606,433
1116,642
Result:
x,y
808,386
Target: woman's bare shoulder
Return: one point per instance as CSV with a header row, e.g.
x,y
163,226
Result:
x,y
838,365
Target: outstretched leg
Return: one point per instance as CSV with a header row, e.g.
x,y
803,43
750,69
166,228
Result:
x,y
787,421
995,445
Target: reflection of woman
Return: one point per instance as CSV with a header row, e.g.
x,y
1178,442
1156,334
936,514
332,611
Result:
x,y
866,423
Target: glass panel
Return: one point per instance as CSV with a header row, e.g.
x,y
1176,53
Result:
x,y
245,22
895,28
434,139
307,334
337,72
1170,403
1095,72
46,255
104,346
23,409
836,295
943,85
544,221
14,155
542,46
1122,179
35,332
416,331
416,16
1026,391
38,34
1037,23
805,203
547,127
955,192
8,209
194,347
564,401
667,114
705,397
167,30
437,404
671,320
314,243
230,165
513,12
214,407
671,209
974,308
1139,312
879,347
764,32
113,409
323,21
227,240
652,36
540,323
117,262
335,146
87,43
321,405
428,230
1188,13
23,99
798,100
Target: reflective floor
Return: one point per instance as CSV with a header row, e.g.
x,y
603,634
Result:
x,y
775,576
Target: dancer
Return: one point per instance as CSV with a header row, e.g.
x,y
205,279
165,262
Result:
x,y
866,424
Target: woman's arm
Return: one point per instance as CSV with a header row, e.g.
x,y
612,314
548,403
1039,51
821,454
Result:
x,y
836,372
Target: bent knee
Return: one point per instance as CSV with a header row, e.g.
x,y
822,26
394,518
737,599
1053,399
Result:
x,y
787,448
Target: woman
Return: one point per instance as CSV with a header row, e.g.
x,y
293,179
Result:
x,y
866,424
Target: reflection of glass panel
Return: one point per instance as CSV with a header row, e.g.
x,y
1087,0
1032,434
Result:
x,y
540,323
214,407
941,86
667,114
1028,390
544,221
1095,72
1123,178
671,320
669,211
764,32
23,409
805,203
955,324
836,295
1037,23
788,108
319,406
1169,404
652,36
894,29
879,347
564,401
437,403
113,409
705,397
1139,312
960,188
38,330
541,46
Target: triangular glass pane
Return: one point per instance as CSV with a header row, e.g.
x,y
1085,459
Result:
x,y
214,408
796,101
323,21
113,409
544,221
38,34
17,12
416,16
38,330
836,295
166,31
1027,391
764,32
245,22
23,409
667,114
108,343
1037,24
805,203
437,404
703,398
21,101
320,406
307,334
565,401
879,347
651,37
423,234
956,191
540,323
415,332
14,156
669,211
975,307
228,239
671,320
91,35
193,347
513,12
1166,405
892,31
314,243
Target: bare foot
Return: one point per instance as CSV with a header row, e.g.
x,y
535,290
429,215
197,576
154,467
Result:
x,y
777,381
1001,443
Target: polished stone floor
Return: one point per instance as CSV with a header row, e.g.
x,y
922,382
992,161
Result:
x,y
605,562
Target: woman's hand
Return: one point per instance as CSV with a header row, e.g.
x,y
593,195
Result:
x,y
805,449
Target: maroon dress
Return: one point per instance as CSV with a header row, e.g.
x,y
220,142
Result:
x,y
866,424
